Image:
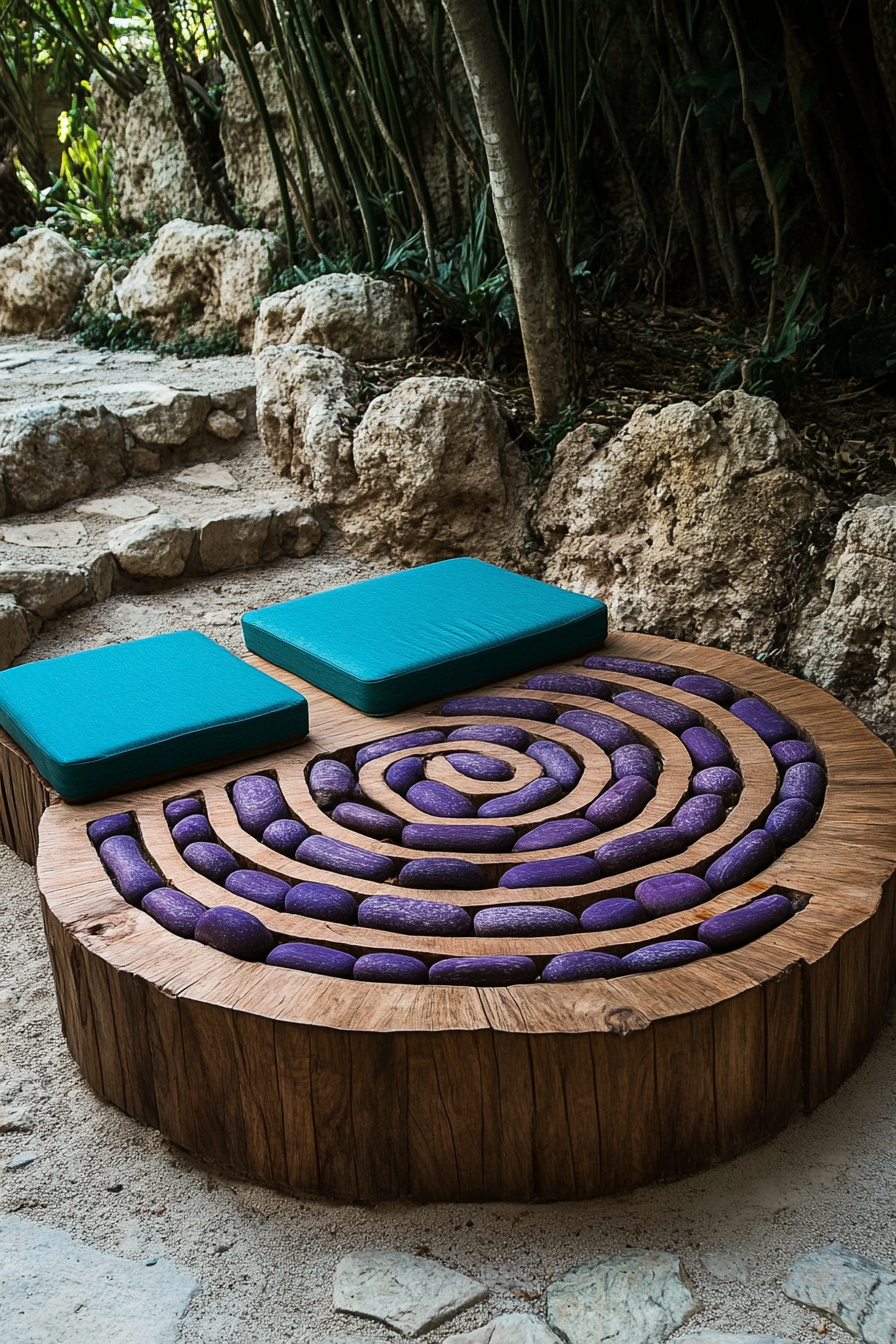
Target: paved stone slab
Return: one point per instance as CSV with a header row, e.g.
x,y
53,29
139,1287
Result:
x,y
17,1163
719,1337
852,1290
407,1292
46,534
56,1290
209,476
636,1297
728,1266
515,1327
125,507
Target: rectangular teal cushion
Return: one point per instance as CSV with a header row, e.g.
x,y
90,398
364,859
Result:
x,y
97,721
387,643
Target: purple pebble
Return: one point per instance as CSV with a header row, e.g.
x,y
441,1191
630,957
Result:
x,y
284,835
505,734
211,860
180,808
614,912
633,851
744,860
708,688
804,780
318,900
133,876
569,683
791,751
439,800
524,921
667,713
537,794
733,928
789,821
331,782
555,834
475,766
570,871
421,737
766,722
338,857
659,956
191,829
236,932
556,763
257,801
400,776
259,887
632,667
368,821
473,839
437,874
502,707
403,914
600,728
119,823
705,748
671,892
620,803
483,971
312,957
582,966
717,779
173,910
391,968
635,760
699,815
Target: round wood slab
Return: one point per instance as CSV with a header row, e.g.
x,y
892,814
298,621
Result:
x,y
375,1091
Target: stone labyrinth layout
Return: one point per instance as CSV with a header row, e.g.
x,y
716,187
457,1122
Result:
x,y
609,922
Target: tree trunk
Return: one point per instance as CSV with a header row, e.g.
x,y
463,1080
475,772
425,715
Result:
x,y
544,295
208,185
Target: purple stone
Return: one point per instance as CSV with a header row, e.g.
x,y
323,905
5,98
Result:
x,y
235,932
555,834
439,800
284,836
391,968
620,803
719,779
556,763
180,808
734,928
524,921
582,966
331,782
667,713
191,829
318,900
474,766
400,776
764,721
505,734
313,958
600,728
473,839
119,823
569,683
569,871
615,912
368,821
705,748
671,892
173,910
632,667
791,751
708,688
446,874
699,815
421,737
259,887
404,914
211,860
789,821
659,956
338,857
636,761
133,876
483,971
749,856
531,796
502,707
257,801
633,851
804,780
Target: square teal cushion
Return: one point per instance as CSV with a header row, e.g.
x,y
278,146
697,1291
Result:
x,y
387,643
97,721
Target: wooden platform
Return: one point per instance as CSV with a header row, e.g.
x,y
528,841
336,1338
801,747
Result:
x,y
373,1091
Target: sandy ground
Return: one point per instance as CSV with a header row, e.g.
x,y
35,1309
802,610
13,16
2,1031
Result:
x,y
265,1261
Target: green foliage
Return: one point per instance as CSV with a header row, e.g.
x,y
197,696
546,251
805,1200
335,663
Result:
x,y
114,331
781,364
82,200
539,453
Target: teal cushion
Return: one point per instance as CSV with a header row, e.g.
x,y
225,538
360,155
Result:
x,y
388,643
96,721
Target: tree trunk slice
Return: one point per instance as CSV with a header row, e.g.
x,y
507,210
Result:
x,y
374,1091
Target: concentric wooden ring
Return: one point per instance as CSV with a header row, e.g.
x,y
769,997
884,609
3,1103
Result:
x,y
373,1091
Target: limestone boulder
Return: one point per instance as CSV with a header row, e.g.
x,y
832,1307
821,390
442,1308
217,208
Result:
x,y
306,405
437,474
684,522
100,296
845,640
410,1293
152,176
858,1293
156,414
359,317
153,548
45,589
201,280
15,636
55,452
635,1297
41,279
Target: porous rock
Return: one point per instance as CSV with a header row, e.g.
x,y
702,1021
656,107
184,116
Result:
x,y
410,1293
306,402
234,538
200,279
45,589
123,507
635,1297
162,416
294,531
515,1327
223,426
858,1293
437,475
845,640
15,636
41,278
683,522
52,536
152,548
358,317
208,476
54,1287
55,452
99,296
